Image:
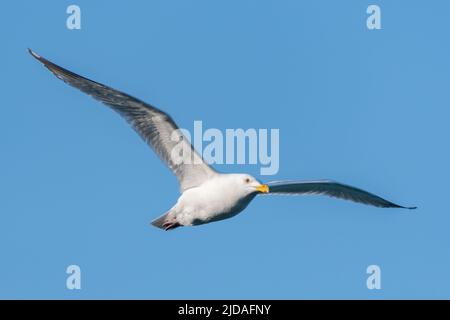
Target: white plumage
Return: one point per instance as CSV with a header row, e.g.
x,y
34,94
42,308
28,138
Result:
x,y
206,195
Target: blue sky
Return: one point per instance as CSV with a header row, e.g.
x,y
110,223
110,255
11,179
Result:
x,y
367,108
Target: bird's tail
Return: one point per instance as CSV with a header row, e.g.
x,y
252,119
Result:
x,y
160,221
166,222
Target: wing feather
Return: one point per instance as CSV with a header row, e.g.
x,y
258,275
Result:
x,y
156,127
332,189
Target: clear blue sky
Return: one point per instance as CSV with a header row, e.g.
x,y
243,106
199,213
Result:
x,y
368,108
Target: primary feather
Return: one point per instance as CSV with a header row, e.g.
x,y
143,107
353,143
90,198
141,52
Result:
x,y
155,126
332,189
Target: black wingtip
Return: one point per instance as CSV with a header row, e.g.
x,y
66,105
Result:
x,y
34,54
409,208
397,206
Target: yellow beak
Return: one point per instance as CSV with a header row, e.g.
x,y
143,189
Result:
x,y
264,188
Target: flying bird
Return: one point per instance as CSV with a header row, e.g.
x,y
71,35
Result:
x,y
206,195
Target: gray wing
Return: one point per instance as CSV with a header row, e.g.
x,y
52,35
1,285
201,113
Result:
x,y
332,189
155,126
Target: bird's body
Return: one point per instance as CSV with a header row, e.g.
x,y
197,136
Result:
x,y
206,195
216,199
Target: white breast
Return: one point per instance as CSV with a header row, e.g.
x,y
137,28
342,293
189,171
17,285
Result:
x,y
216,199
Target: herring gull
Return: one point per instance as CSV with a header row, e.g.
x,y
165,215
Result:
x,y
206,195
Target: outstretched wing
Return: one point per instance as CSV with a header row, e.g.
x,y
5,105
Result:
x,y
155,126
332,189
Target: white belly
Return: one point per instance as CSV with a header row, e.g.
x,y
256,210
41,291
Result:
x,y
208,202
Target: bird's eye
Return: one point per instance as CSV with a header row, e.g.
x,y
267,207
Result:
x,y
247,180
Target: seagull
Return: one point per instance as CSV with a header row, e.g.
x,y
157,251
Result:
x,y
206,195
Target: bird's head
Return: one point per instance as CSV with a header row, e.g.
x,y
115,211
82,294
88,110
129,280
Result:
x,y
249,184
